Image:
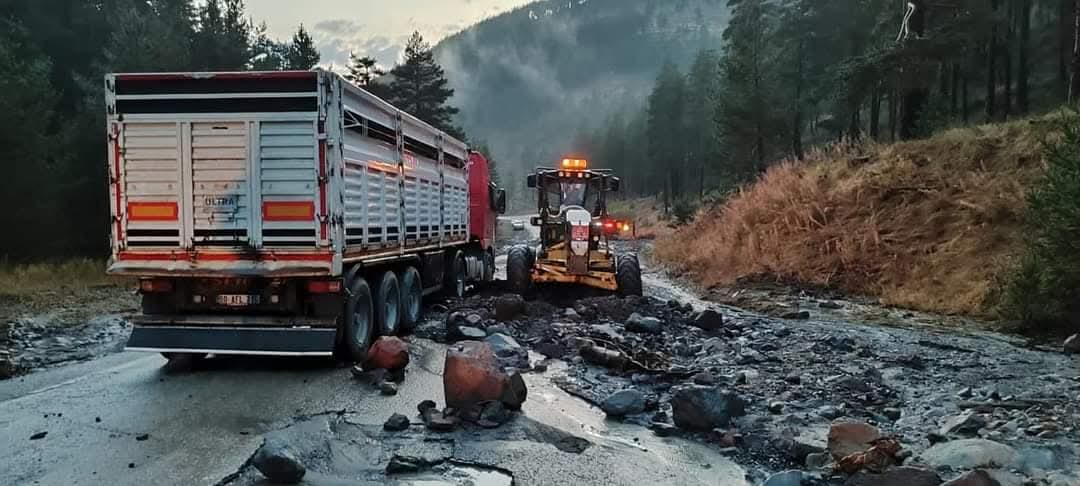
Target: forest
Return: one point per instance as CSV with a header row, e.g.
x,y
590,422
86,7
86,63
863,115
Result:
x,y
53,57
794,74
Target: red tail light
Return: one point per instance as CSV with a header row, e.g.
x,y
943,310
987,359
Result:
x,y
155,286
324,286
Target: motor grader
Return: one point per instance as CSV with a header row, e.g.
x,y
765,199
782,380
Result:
x,y
574,234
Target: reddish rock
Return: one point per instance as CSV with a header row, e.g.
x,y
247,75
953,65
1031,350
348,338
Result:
x,y
848,438
974,478
389,353
472,376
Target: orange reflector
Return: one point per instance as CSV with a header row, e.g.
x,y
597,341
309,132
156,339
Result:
x,y
151,286
288,211
153,211
324,286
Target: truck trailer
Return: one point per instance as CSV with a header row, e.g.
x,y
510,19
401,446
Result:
x,y
286,213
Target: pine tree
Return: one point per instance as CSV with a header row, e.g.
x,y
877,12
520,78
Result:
x,y
268,54
222,42
363,70
303,54
667,134
702,96
420,88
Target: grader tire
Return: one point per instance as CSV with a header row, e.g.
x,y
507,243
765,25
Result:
x,y
517,269
628,275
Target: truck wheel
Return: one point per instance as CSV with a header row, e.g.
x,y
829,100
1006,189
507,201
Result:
x,y
489,266
358,323
628,275
518,269
412,295
388,304
454,286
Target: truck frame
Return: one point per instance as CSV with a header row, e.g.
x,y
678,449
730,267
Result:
x,y
286,213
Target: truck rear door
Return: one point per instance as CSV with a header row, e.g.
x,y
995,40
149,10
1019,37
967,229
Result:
x,y
219,173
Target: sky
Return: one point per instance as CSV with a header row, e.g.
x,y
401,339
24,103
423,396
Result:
x,y
377,28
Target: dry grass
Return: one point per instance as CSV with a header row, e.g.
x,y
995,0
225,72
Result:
x,y
924,224
78,274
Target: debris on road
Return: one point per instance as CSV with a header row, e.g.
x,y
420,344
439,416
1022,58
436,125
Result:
x,y
1072,344
278,462
396,423
39,435
623,403
389,353
472,375
698,407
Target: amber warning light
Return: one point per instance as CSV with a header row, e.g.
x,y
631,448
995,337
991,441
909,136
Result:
x,y
575,164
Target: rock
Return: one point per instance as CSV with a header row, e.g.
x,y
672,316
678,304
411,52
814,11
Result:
x,y
571,314
7,367
705,408
404,465
705,379
708,319
967,423
972,454
663,429
396,423
644,325
494,414
142,437
818,460
974,478
39,435
469,333
828,304
796,315
623,403
776,408
891,413
540,367
848,438
509,353
794,379
1072,345
497,329
966,393
472,375
388,388
434,419
389,353
278,462
830,412
900,476
509,306
787,478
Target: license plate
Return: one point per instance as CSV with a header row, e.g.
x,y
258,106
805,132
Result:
x,y
239,300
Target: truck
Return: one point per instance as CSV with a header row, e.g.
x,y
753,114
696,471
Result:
x,y
286,213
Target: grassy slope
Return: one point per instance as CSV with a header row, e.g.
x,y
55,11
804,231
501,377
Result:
x,y
926,224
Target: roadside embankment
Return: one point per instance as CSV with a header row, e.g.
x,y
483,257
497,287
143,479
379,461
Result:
x,y
927,225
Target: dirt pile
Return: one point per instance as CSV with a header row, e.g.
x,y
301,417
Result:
x,y
924,224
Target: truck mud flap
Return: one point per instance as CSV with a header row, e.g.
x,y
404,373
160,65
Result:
x,y
253,341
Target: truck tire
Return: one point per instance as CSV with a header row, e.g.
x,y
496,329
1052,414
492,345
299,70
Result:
x,y
412,296
455,278
358,323
628,275
388,304
489,266
518,269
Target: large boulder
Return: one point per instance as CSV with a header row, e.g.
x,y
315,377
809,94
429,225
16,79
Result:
x,y
279,462
847,438
472,375
623,403
508,307
708,319
900,476
967,423
705,408
787,478
644,325
389,353
509,353
972,454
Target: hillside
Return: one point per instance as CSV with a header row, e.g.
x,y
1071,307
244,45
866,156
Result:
x,y
532,79
926,225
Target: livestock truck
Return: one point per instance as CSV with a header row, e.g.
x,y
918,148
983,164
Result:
x,y
286,213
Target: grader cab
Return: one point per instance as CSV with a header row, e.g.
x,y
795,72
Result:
x,y
574,234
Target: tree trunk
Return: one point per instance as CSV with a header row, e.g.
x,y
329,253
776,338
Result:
x,y
1065,8
954,102
991,66
892,113
1023,99
797,118
1074,83
964,111
1006,77
916,94
875,112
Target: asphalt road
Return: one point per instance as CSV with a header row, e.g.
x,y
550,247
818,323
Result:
x,y
121,419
